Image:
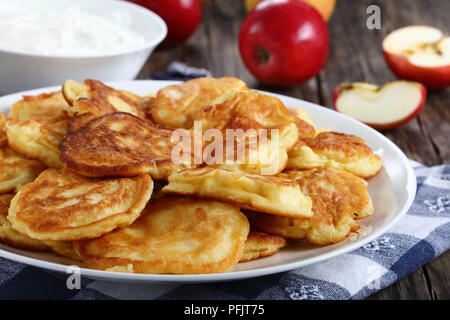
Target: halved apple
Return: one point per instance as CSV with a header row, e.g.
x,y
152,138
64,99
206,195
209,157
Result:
x,y
419,53
381,107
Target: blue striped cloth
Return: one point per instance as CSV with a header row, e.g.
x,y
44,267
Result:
x,y
420,236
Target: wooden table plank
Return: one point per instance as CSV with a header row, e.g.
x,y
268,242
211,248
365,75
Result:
x,y
355,55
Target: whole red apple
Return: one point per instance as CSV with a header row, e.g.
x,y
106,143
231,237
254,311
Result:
x,y
181,16
284,42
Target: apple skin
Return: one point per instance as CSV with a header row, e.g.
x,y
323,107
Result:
x,y
434,78
182,18
284,43
387,126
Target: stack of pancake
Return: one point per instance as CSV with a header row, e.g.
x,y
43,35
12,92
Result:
x,y
89,172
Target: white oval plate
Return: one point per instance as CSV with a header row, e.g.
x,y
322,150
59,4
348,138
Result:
x,y
392,191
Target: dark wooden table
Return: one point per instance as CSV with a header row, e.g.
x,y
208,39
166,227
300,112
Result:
x,y
355,55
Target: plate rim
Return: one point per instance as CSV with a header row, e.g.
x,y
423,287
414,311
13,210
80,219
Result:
x,y
411,187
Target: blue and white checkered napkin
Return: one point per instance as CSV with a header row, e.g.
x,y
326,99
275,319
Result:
x,y
420,236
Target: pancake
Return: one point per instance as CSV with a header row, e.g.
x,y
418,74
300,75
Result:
x,y
301,114
63,248
76,122
16,170
44,106
259,245
336,150
174,235
257,157
251,114
338,198
303,122
3,136
38,139
270,194
61,205
148,103
120,144
94,97
10,236
246,110
177,105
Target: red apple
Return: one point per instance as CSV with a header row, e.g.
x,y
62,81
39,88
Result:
x,y
181,16
385,107
284,42
419,53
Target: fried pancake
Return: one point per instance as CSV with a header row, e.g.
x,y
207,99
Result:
x,y
336,150
38,139
270,194
339,198
148,103
260,245
260,158
63,248
175,235
10,236
249,114
94,97
41,107
78,121
177,105
303,122
15,169
120,144
246,110
61,205
3,136
301,114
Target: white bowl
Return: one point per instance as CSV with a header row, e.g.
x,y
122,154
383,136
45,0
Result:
x,y
22,71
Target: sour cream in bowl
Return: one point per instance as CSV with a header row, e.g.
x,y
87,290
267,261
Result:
x,y
45,42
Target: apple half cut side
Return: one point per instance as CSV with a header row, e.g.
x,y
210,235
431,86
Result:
x,y
419,53
381,107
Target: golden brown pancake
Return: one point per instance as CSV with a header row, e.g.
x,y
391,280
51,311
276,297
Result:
x,y
78,121
249,114
120,144
175,235
259,245
177,105
61,205
271,194
303,122
94,97
301,114
148,103
339,198
10,236
38,139
336,150
260,157
3,137
246,110
40,107
15,169
63,248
